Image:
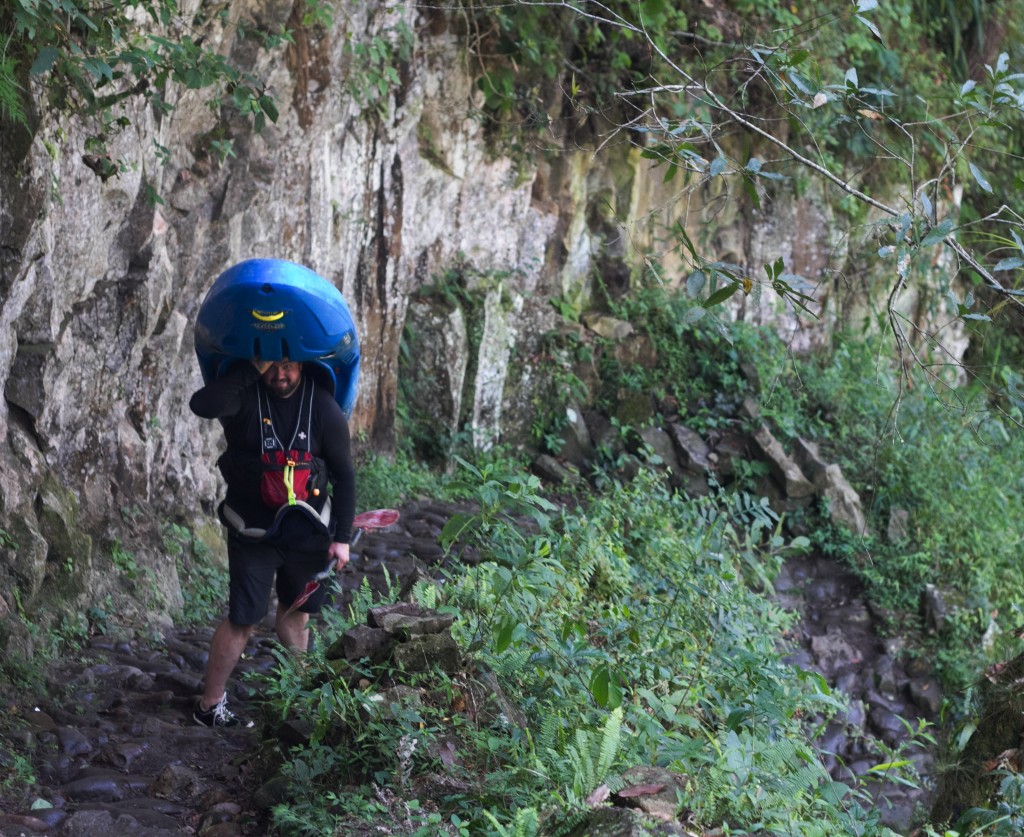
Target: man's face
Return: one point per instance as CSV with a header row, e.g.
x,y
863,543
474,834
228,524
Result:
x,y
283,378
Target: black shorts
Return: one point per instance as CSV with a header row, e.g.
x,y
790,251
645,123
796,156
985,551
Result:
x,y
252,567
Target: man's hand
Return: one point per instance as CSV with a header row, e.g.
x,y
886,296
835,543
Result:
x,y
338,552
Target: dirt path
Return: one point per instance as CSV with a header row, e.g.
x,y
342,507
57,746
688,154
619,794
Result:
x,y
113,743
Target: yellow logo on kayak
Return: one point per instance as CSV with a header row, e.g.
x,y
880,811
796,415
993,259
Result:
x,y
267,316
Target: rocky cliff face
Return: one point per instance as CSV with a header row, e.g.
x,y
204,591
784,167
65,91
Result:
x,y
384,198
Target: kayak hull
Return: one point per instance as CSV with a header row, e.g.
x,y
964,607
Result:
x,y
274,310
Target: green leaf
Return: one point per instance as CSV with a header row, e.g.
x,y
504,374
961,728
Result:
x,y
965,736
871,26
808,674
606,688
889,765
905,223
797,57
695,283
723,330
503,637
98,68
680,231
1011,263
834,792
937,233
651,9
721,295
980,177
751,190
599,685
47,57
735,719
717,166
456,527
694,314
269,108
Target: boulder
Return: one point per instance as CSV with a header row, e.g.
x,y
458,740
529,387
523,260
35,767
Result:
x,y
692,450
783,467
428,652
554,472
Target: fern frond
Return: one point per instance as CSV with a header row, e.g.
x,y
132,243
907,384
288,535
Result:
x,y
568,822
610,742
549,737
578,756
592,754
508,663
11,93
525,824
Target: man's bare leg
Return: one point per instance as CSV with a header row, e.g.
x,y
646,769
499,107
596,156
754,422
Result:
x,y
292,630
226,649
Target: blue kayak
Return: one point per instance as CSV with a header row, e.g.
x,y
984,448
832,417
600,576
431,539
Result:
x,y
273,309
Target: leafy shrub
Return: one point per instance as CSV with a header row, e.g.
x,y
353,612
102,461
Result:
x,y
952,465
630,632
388,481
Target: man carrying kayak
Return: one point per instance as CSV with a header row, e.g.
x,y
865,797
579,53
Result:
x,y
287,439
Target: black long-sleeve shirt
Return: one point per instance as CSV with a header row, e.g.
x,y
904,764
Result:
x,y
232,399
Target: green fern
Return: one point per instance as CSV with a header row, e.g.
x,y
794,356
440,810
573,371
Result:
x,y
610,743
592,757
769,777
566,822
585,761
510,662
551,735
11,93
525,824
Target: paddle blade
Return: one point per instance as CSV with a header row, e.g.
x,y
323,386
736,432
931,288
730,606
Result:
x,y
375,519
310,589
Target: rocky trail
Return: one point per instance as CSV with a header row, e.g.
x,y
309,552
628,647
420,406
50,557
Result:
x,y
115,749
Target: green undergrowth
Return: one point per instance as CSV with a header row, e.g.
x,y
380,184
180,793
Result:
x,y
945,462
637,629
942,458
633,631
203,596
388,481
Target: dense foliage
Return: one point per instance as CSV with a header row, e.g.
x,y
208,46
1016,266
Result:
x,y
628,633
947,457
104,64
918,147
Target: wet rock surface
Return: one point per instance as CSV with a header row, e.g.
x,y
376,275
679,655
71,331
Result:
x,y
115,749
836,638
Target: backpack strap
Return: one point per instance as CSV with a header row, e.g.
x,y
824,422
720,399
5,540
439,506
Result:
x,y
234,521
300,439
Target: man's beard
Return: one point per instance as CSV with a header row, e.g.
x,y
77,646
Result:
x,y
284,388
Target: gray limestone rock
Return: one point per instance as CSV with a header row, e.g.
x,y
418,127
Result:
x,y
783,467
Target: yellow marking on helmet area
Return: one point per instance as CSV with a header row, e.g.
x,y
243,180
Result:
x,y
267,317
